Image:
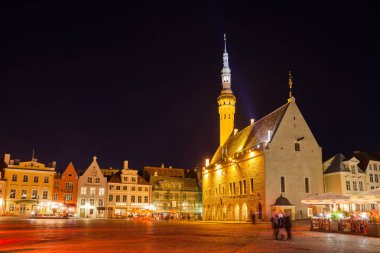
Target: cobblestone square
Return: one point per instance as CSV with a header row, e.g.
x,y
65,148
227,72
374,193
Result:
x,y
89,235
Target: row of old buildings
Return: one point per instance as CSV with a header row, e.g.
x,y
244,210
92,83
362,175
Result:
x,y
32,188
272,164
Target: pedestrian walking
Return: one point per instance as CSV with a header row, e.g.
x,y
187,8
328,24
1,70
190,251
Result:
x,y
275,227
288,226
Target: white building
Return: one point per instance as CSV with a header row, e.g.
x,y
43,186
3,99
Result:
x,y
92,187
128,194
273,156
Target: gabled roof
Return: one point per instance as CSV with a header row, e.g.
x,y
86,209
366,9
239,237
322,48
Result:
x,y
336,164
364,159
252,134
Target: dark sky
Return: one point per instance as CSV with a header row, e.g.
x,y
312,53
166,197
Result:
x,y
140,82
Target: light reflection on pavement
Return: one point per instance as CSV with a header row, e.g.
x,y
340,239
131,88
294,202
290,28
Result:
x,y
85,235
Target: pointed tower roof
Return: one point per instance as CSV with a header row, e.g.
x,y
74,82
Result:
x,y
226,71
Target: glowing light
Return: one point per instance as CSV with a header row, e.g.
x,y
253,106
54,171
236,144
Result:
x,y
218,166
340,215
328,216
364,216
251,154
207,162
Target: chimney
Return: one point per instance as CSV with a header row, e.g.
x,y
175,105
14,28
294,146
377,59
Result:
x,y
252,121
125,165
235,131
17,161
53,164
7,158
11,162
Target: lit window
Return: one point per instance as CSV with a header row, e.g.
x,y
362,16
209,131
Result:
x,y
101,191
83,202
361,186
354,186
92,190
23,194
348,186
34,194
83,190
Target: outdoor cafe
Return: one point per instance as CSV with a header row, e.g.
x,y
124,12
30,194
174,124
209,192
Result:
x,y
355,214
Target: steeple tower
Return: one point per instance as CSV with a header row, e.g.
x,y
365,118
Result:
x,y
226,100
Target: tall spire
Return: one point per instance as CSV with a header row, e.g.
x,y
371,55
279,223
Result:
x,y
290,84
226,71
226,100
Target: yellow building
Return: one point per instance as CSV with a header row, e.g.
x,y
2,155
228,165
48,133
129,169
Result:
x,y
29,184
274,156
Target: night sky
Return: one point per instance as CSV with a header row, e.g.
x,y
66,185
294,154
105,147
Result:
x,y
140,82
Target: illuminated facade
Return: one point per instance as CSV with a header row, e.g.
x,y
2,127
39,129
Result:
x,y
175,192
275,155
29,187
92,187
128,194
65,189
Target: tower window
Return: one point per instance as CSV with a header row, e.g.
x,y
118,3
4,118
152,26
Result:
x,y
307,185
229,116
224,116
297,147
282,184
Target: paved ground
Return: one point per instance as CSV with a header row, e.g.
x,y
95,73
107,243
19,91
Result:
x,y
84,235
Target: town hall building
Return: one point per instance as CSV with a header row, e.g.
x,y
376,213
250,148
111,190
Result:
x,y
274,158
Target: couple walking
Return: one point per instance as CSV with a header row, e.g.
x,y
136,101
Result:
x,y
279,222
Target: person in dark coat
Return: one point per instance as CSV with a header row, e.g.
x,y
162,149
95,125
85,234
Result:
x,y
281,225
288,225
275,227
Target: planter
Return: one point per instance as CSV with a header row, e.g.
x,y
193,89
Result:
x,y
373,229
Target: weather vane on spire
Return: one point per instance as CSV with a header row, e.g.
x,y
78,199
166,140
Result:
x,y
225,43
290,84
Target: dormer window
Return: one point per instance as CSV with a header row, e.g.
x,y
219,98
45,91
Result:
x,y
370,166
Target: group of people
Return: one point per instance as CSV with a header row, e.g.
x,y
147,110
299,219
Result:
x,y
281,221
